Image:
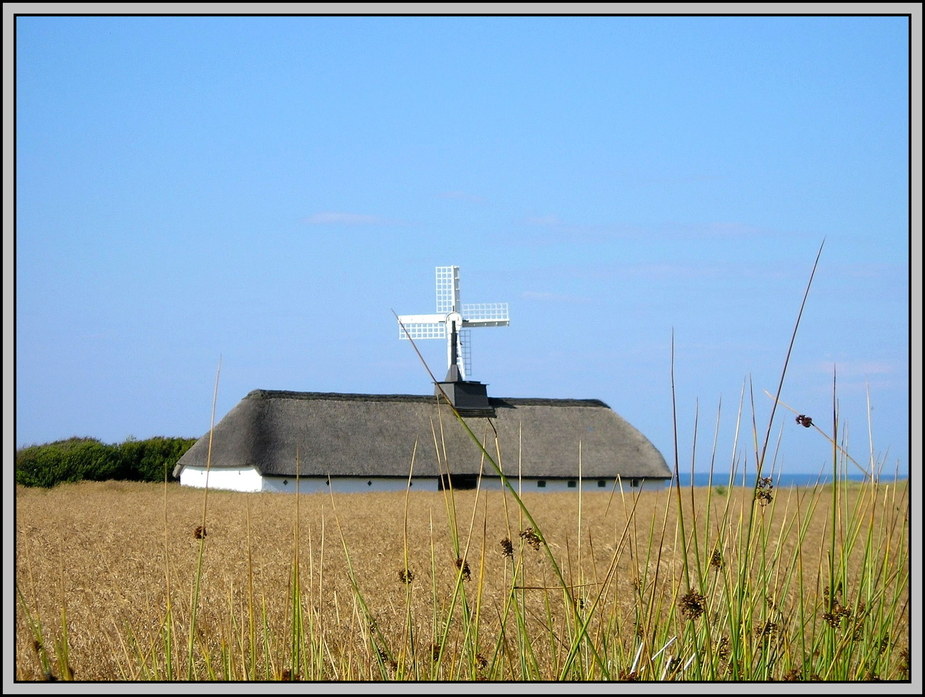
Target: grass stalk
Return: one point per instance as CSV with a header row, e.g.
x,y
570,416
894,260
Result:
x,y
202,533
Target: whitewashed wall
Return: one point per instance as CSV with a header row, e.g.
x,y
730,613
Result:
x,y
244,479
249,480
587,485
347,485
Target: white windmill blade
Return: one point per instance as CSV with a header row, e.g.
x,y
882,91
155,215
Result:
x,y
421,331
465,353
421,327
486,315
447,289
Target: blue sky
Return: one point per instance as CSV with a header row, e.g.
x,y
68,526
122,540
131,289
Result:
x,y
261,193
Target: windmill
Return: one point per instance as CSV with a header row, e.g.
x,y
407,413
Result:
x,y
452,322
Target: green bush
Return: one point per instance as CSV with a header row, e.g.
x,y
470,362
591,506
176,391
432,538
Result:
x,y
77,459
145,460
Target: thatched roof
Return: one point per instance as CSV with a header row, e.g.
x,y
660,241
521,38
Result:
x,y
370,435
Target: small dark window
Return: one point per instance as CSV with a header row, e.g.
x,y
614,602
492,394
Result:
x,y
634,483
285,482
571,483
601,483
457,481
369,483
541,483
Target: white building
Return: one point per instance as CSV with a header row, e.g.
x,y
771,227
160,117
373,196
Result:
x,y
312,441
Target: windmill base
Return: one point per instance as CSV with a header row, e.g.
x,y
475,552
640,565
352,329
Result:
x,y
468,396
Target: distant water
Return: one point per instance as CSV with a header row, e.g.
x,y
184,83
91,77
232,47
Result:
x,y
778,480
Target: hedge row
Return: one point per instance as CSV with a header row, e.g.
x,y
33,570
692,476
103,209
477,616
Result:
x,y
77,459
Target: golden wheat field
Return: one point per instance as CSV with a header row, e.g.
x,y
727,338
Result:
x,y
112,576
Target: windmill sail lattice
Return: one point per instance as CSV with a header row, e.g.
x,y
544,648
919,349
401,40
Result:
x,y
452,322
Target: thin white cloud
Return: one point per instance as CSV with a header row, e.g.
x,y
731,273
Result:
x,y
672,271
544,220
603,232
553,229
543,296
462,196
861,377
855,369
716,228
336,218
875,387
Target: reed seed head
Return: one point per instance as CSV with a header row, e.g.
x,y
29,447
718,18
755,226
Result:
x,y
836,611
763,491
531,538
692,604
673,664
463,566
722,649
389,662
835,616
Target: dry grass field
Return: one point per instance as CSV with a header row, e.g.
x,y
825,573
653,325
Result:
x,y
131,581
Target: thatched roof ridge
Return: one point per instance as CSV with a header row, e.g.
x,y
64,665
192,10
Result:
x,y
360,435
353,396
